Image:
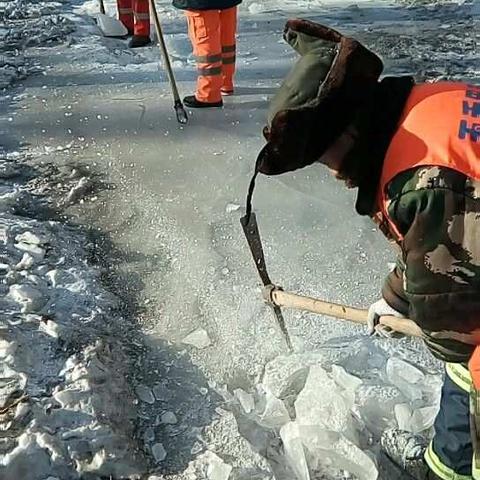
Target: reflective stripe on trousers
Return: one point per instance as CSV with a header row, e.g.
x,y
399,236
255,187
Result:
x,y
450,453
212,33
135,15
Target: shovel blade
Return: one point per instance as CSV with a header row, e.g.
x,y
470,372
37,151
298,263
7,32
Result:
x,y
111,27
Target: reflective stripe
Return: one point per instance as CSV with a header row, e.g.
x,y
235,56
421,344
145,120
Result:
x,y
123,11
208,58
210,71
475,468
229,49
441,470
228,60
460,376
141,16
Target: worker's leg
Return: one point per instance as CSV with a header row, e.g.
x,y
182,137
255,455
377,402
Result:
x,y
204,32
450,453
474,369
125,14
228,26
142,18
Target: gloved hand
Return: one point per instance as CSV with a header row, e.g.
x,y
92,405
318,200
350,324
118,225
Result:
x,y
377,310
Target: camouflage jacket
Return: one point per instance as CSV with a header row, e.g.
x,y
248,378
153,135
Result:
x,y
437,278
436,211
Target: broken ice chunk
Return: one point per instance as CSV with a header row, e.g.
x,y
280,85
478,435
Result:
x,y
423,418
400,369
30,298
320,403
145,394
246,400
77,192
25,263
159,453
38,253
292,443
212,467
11,382
50,328
232,207
30,238
169,418
199,339
403,415
344,379
275,414
326,448
286,375
407,378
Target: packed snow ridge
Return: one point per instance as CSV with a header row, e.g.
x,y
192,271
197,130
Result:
x,y
62,370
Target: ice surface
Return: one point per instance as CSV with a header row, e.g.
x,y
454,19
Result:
x,y
199,339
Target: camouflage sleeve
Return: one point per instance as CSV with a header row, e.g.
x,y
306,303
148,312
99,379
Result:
x,y
438,214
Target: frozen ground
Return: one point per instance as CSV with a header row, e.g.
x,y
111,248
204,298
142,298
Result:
x,y
217,397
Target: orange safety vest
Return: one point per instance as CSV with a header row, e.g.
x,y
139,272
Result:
x,y
440,127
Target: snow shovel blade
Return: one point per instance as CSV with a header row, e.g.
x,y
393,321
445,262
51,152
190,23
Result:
x,y
252,234
111,27
182,116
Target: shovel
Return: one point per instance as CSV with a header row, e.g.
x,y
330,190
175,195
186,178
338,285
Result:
x,y
109,26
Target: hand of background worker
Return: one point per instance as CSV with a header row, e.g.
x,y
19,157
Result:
x,y
377,310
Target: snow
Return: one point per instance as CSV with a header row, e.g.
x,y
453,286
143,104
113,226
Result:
x,y
93,139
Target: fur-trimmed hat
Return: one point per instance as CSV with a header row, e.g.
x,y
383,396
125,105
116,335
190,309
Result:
x,y
334,77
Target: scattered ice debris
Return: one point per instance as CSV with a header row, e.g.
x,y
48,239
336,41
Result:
x,y
159,452
78,192
31,299
246,400
199,339
145,394
209,466
328,418
169,418
232,207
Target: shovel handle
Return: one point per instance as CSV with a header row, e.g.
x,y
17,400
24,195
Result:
x,y
298,302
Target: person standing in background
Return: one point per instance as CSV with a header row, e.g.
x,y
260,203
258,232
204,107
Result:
x,y
212,28
135,15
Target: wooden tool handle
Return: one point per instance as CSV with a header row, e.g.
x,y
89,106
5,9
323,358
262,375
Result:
x,y
313,305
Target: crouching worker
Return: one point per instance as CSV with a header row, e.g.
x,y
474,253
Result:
x,y
412,151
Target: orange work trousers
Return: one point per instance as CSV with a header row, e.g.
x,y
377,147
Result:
x,y
212,33
135,15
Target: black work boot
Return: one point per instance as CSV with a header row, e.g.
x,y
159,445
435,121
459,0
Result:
x,y
138,41
407,451
192,102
